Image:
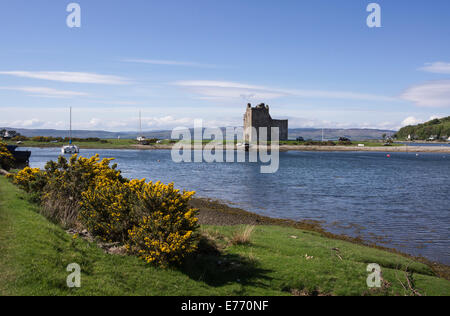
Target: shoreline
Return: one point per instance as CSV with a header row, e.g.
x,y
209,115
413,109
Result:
x,y
221,268
217,213
285,148
282,148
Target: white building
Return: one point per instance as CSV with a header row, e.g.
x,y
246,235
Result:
x,y
6,135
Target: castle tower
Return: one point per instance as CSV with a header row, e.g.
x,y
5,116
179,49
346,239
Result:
x,y
259,116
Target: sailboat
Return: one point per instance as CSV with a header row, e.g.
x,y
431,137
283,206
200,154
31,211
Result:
x,y
70,149
140,138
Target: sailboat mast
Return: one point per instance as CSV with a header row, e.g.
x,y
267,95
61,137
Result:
x,y
70,131
140,124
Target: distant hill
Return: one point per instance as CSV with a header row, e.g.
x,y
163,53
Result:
x,y
86,133
306,133
439,128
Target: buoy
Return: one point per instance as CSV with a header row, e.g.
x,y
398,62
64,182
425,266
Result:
x,y
389,156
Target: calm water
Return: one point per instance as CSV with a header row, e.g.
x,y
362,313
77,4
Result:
x,y
405,199
427,144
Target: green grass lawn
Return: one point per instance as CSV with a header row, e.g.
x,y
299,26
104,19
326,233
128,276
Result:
x,y
131,143
109,144
34,254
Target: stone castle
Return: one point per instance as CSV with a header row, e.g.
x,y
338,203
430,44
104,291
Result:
x,y
256,117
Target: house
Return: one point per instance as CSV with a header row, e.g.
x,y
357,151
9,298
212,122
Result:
x,y
6,135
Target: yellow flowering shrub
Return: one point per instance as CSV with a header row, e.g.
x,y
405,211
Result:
x,y
67,180
77,175
165,234
108,208
153,220
31,180
6,158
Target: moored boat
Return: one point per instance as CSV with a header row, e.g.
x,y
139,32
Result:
x,y
21,157
71,148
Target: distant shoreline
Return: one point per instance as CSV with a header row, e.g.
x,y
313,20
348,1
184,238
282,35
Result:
x,y
383,149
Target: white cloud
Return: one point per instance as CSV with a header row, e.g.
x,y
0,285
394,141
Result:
x,y
169,63
74,77
32,123
437,67
429,94
115,102
234,90
45,92
150,123
411,120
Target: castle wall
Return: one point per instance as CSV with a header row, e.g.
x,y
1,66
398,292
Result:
x,y
256,117
283,128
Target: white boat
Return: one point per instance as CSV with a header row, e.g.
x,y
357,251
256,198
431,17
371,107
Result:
x,y
70,149
140,138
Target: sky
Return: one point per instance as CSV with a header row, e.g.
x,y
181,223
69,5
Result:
x,y
315,62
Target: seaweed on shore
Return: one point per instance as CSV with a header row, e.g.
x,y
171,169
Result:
x,y
217,213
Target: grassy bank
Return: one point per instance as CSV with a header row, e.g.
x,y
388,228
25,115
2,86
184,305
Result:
x,y
133,144
105,144
277,261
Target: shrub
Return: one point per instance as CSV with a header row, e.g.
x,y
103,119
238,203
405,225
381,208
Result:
x,y
165,233
31,180
108,208
153,220
67,180
6,158
20,138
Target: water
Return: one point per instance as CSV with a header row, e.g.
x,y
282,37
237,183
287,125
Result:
x,y
404,199
427,144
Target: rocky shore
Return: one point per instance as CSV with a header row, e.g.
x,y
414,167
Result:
x,y
217,213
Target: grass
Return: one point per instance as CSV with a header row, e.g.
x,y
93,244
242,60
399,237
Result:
x,y
131,144
109,144
34,254
243,236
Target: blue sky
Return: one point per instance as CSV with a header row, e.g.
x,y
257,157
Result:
x,y
314,62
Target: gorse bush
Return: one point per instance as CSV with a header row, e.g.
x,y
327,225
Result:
x,y
6,158
165,233
67,180
26,179
32,181
153,220
108,209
